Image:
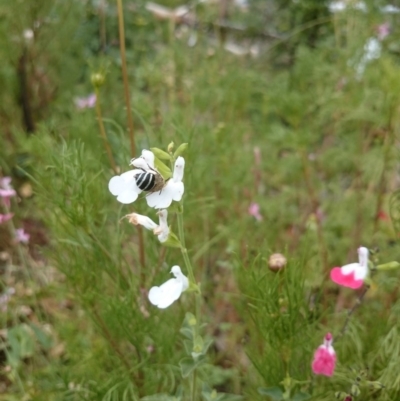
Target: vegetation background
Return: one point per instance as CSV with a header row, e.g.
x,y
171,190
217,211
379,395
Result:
x,y
269,96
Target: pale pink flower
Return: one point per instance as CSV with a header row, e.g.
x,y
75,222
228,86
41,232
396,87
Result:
x,y
324,358
85,102
383,30
21,236
6,190
353,274
254,210
5,217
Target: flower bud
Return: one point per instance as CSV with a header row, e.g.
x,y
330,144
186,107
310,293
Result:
x,y
276,262
170,147
97,79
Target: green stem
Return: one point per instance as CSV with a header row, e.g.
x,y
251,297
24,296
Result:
x,y
125,76
183,248
197,295
103,132
194,377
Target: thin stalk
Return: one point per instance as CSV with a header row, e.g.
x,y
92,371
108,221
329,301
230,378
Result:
x,y
102,15
103,133
197,295
315,206
351,311
183,248
194,377
125,76
142,256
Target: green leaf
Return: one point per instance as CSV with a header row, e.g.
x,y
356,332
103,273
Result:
x,y
163,169
300,396
43,338
172,241
160,397
229,397
181,149
160,154
388,266
187,332
275,393
188,365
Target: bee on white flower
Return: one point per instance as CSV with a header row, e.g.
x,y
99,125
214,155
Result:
x,y
145,177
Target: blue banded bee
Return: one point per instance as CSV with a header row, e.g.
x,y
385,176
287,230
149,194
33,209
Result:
x,y
150,180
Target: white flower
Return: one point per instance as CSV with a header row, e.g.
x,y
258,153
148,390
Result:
x,y
173,190
170,291
124,186
161,230
372,51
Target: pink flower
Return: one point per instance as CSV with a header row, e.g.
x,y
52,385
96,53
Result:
x,y
5,217
21,236
324,358
85,102
254,210
353,274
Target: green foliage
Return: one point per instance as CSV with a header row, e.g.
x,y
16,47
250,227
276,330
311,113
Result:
x,y
309,142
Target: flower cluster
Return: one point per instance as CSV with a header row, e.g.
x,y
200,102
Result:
x,y
160,193
6,193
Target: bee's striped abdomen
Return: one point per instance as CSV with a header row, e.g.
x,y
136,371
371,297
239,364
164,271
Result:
x,y
145,181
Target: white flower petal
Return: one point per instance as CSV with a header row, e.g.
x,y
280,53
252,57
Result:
x,y
166,294
178,169
116,185
163,236
140,163
128,196
177,191
144,221
124,186
363,256
350,268
148,156
361,272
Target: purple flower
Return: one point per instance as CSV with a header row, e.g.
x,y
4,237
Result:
x,y
6,190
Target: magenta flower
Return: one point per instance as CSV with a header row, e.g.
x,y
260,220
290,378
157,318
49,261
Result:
x,y
5,217
21,236
353,274
254,210
87,102
324,358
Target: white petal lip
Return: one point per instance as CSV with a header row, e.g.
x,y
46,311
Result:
x,y
124,186
163,199
164,295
